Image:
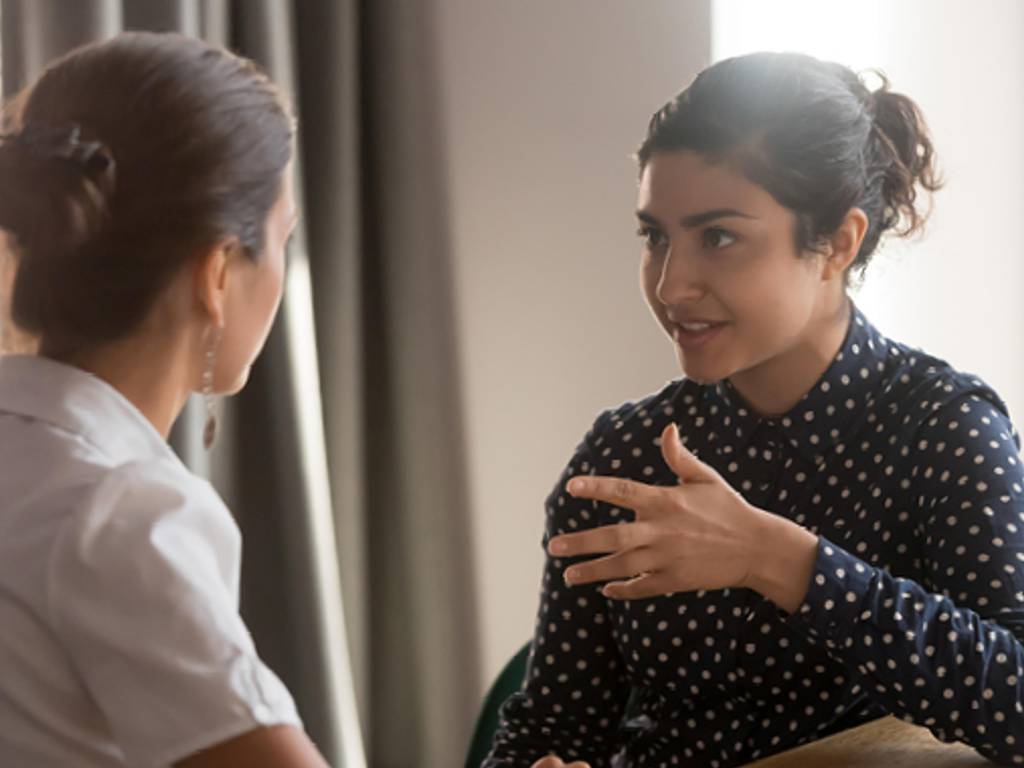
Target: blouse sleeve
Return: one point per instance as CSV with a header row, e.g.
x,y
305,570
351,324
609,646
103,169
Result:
x,y
143,595
575,689
945,651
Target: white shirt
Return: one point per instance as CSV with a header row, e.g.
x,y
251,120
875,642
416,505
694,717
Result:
x,y
120,637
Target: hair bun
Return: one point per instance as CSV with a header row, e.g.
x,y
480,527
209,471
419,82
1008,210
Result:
x,y
64,142
902,153
91,259
52,229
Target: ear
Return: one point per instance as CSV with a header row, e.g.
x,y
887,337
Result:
x,y
844,243
211,279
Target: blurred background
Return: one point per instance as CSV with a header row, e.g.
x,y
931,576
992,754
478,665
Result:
x,y
464,298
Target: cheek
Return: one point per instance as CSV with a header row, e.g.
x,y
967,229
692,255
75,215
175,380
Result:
x,y
255,308
273,289
778,302
263,306
774,279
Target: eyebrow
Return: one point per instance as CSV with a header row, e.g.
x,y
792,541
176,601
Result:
x,y
697,219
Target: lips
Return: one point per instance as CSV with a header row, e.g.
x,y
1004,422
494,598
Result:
x,y
697,326
691,334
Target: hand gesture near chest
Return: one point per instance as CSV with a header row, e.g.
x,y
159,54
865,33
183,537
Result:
x,y
699,534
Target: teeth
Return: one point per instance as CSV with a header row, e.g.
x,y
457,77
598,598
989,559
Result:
x,y
696,327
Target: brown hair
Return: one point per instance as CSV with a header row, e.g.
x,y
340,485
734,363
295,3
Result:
x,y
118,164
811,134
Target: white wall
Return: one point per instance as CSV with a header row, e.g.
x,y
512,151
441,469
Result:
x,y
544,103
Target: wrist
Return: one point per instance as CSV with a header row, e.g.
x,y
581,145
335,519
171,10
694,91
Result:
x,y
784,561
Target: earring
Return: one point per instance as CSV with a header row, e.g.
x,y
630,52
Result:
x,y
210,428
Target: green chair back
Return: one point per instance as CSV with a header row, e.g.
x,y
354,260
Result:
x,y
509,681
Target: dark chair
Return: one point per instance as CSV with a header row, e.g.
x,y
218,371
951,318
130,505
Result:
x,y
509,681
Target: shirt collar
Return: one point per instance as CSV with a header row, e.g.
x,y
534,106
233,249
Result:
x,y
80,403
827,412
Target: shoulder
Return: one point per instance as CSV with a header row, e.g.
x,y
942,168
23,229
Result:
x,y
626,440
153,516
928,390
957,428
143,593
651,412
634,424
142,494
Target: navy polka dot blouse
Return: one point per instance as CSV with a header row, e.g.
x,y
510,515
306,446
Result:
x,y
909,472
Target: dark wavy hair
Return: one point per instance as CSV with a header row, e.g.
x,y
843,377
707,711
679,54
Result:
x,y
120,163
814,136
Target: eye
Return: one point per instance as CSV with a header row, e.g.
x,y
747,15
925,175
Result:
x,y
716,238
652,237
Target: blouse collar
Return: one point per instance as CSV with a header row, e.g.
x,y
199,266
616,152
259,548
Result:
x,y
81,404
826,413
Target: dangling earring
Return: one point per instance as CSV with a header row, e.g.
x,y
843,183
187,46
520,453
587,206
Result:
x,y
210,428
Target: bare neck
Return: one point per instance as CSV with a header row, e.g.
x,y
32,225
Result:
x,y
775,386
152,372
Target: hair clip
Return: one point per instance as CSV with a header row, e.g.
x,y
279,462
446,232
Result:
x,y
63,142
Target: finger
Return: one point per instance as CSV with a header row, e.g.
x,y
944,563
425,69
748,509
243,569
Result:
x,y
578,764
614,490
639,587
624,565
548,762
681,459
596,541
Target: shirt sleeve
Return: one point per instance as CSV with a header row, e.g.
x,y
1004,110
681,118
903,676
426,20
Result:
x,y
575,689
945,650
143,595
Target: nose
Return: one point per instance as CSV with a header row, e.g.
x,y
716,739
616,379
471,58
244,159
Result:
x,y
680,280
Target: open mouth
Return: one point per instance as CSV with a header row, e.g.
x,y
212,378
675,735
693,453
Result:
x,y
691,335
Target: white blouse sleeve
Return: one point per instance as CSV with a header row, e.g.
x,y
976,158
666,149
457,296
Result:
x,y
143,594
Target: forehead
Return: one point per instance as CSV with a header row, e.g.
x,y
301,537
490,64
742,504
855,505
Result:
x,y
676,184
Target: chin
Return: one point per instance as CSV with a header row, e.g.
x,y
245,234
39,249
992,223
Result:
x,y
703,373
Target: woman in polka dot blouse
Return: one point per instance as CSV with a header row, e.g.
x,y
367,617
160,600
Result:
x,y
817,525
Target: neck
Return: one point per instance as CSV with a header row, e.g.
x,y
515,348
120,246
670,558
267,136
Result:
x,y
153,374
776,385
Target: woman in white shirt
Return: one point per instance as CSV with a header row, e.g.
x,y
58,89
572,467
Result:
x,y
145,193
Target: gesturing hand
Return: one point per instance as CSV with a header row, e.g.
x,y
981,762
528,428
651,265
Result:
x,y
699,534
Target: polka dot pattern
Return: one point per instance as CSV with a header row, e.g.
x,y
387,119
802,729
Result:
x,y
908,470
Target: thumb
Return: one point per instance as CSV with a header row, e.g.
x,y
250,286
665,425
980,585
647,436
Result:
x,y
680,459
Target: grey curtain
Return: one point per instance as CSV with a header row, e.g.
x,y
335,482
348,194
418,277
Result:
x,y
343,457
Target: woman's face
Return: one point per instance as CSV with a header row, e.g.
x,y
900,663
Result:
x,y
254,294
720,268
